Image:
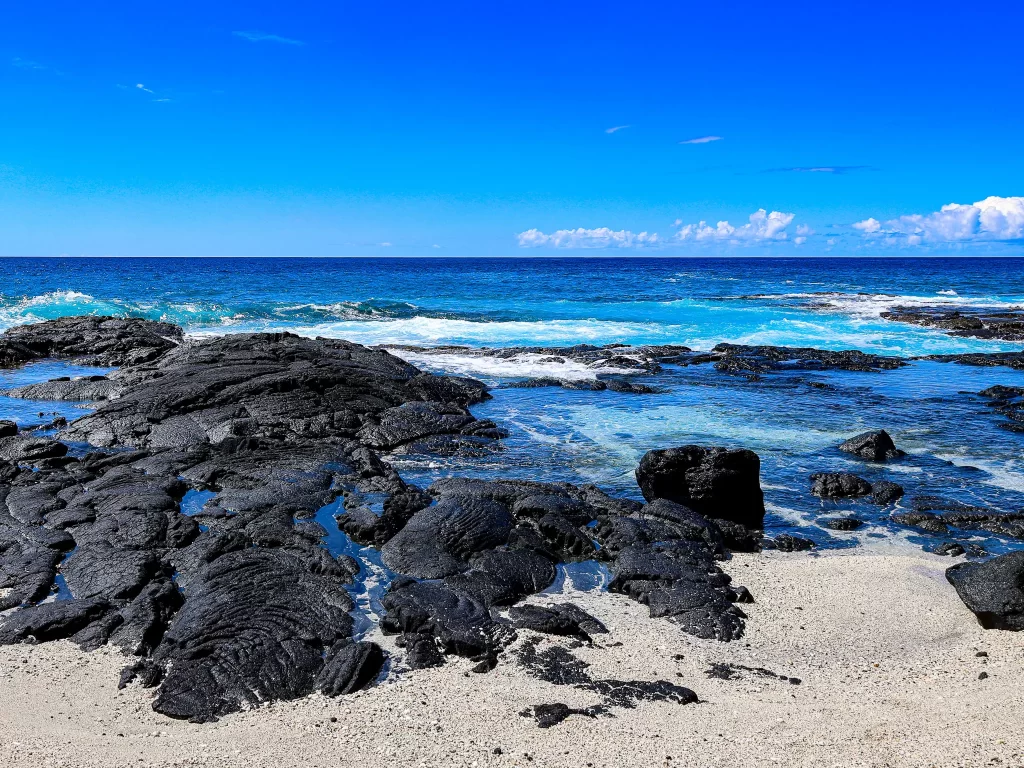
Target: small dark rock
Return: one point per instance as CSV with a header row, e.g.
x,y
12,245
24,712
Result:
x,y
785,542
842,523
839,485
874,446
886,492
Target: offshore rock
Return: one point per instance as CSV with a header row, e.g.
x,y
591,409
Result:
x,y
1006,325
740,359
993,590
842,523
1008,401
984,359
886,492
839,485
874,446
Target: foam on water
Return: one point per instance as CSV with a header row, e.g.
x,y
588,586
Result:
x,y
527,365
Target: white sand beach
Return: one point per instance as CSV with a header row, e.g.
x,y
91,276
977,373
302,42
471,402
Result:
x,y
886,653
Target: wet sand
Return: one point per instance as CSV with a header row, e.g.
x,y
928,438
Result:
x,y
885,651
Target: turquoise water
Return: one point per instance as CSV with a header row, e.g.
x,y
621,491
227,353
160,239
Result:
x,y
957,449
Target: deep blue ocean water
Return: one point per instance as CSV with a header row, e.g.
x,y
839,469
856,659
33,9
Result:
x,y
956,448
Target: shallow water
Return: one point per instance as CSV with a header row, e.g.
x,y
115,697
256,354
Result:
x,y
956,447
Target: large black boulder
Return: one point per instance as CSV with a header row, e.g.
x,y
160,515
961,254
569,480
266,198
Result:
x,y
717,482
993,590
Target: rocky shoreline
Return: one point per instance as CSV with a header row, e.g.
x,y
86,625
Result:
x,y
240,603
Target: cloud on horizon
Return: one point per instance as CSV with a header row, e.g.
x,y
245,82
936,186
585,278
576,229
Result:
x,y
601,237
255,36
761,226
993,219
701,140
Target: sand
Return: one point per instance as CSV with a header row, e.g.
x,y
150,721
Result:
x,y
886,652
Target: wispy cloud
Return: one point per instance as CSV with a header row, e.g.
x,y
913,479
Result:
x,y
617,128
21,63
601,237
142,87
990,220
27,64
702,140
834,169
254,36
159,100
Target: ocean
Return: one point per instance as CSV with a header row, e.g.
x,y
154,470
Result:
x,y
957,448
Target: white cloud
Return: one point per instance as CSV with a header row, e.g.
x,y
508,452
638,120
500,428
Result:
x,y
141,87
601,237
702,140
266,37
616,128
803,230
994,218
868,226
760,226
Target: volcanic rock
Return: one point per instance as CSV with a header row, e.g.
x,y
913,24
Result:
x,y
716,482
839,485
875,446
993,590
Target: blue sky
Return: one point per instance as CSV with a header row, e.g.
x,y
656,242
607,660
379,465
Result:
x,y
337,128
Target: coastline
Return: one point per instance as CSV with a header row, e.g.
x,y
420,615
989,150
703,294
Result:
x,y
884,649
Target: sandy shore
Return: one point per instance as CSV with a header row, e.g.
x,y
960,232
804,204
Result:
x,y
886,653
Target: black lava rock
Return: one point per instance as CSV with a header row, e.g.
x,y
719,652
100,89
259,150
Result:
x,y
716,482
839,485
885,492
785,542
993,590
875,446
564,619
842,523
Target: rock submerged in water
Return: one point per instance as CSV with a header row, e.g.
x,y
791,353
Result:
x,y
993,590
876,445
842,523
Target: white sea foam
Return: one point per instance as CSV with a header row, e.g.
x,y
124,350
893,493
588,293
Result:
x,y
872,305
432,331
527,365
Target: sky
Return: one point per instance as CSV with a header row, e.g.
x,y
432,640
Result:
x,y
511,128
